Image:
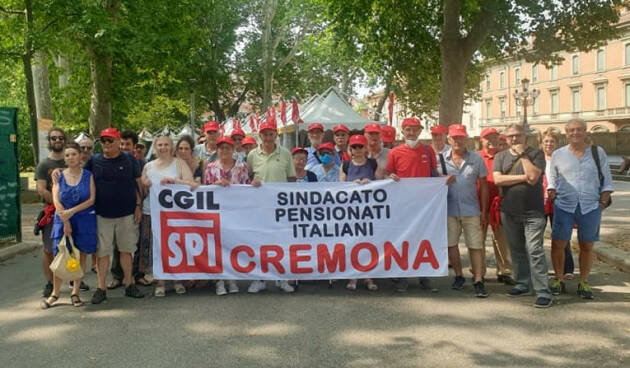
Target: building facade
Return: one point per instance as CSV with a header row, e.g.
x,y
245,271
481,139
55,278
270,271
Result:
x,y
594,86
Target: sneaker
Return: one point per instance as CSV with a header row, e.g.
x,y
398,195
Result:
x,y
284,286
426,284
542,302
458,283
480,290
82,287
99,296
256,286
48,288
402,285
517,292
584,290
132,291
220,288
232,287
557,286
506,279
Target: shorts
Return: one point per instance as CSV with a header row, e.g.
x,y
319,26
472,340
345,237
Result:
x,y
587,224
47,238
470,225
121,230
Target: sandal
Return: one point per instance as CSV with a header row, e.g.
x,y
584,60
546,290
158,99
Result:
x,y
46,303
370,285
142,281
160,291
76,301
115,284
352,285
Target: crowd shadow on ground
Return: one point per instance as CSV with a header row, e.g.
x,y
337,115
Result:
x,y
316,327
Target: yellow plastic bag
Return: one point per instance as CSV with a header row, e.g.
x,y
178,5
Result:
x,y
66,264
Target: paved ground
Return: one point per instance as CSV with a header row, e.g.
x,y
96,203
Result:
x,y
616,218
316,327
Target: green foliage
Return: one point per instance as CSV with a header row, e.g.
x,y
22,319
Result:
x,y
403,40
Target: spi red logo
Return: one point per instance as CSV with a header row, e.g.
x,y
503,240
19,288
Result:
x,y
191,242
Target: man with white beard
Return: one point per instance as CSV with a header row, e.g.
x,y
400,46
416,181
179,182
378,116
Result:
x,y
411,160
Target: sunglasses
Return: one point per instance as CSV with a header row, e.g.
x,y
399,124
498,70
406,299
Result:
x,y
237,139
55,138
86,148
107,140
357,146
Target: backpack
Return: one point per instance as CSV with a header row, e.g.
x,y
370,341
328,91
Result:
x,y
595,153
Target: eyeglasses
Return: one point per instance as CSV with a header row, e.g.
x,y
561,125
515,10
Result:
x,y
512,136
86,148
55,138
237,139
107,140
357,146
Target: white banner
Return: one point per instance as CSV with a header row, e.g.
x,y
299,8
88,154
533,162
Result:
x,y
287,231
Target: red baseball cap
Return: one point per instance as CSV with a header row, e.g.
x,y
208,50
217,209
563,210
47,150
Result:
x,y
315,126
237,132
327,145
488,131
211,126
372,128
388,134
249,140
267,126
110,132
357,139
457,130
341,128
298,149
225,139
439,129
411,122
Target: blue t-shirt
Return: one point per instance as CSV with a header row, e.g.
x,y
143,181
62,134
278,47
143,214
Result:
x,y
115,181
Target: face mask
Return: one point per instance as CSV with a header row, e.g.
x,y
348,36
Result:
x,y
325,159
412,143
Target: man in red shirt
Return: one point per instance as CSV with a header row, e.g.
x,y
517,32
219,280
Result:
x,y
489,147
413,159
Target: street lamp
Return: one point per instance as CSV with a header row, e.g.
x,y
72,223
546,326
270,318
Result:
x,y
524,98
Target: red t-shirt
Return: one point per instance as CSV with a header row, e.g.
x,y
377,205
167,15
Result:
x,y
411,162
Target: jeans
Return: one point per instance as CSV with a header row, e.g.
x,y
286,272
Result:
x,y
529,266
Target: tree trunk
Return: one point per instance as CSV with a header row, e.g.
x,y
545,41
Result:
x,y
453,83
101,98
381,102
64,70
27,58
269,9
41,83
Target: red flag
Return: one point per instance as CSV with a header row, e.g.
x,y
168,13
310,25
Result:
x,y
271,116
222,130
252,123
390,107
283,112
295,112
236,125
257,121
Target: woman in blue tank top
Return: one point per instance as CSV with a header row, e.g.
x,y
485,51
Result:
x,y
361,170
73,196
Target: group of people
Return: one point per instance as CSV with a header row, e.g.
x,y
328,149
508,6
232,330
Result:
x,y
101,200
